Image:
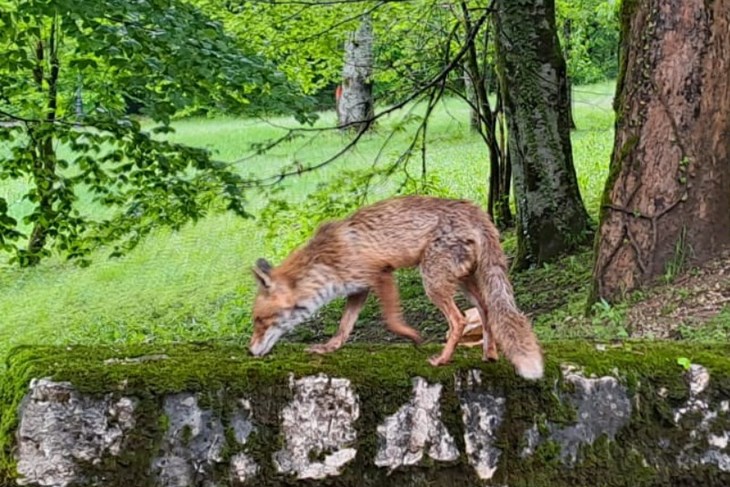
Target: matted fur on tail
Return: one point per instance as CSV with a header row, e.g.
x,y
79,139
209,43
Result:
x,y
511,328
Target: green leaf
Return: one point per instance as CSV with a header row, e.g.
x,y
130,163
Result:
x,y
684,362
154,58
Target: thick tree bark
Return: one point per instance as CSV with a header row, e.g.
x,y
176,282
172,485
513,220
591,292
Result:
x,y
667,198
356,106
551,217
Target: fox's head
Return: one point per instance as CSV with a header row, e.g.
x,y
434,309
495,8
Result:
x,y
274,310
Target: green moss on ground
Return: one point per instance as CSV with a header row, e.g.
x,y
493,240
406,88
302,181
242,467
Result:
x,y
381,376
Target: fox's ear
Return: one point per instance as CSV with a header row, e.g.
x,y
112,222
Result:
x,y
262,273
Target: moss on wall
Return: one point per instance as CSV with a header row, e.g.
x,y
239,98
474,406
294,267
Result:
x,y
381,376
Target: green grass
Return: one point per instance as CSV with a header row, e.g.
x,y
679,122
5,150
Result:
x,y
714,330
195,284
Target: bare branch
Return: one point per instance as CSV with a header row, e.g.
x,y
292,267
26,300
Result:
x,y
434,82
344,21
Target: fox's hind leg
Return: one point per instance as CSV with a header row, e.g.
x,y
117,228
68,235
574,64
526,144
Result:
x,y
443,267
489,345
387,292
354,305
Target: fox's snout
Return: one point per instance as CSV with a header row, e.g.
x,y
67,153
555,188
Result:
x,y
255,347
261,344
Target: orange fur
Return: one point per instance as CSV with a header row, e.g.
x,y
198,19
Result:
x,y
453,242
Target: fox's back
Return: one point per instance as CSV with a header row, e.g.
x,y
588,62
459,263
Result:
x,y
397,230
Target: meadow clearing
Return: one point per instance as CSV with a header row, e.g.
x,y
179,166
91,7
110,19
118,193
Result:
x,y
195,284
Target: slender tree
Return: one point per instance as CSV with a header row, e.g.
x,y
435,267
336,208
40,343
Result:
x,y
126,54
667,198
485,120
551,217
356,108
471,96
566,47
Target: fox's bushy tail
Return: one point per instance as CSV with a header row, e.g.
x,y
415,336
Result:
x,y
511,328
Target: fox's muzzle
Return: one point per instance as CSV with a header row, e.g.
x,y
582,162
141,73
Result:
x,y
262,346
255,349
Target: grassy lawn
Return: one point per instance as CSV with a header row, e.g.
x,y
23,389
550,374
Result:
x,y
195,284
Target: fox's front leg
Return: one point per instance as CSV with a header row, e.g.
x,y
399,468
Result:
x,y
387,293
354,305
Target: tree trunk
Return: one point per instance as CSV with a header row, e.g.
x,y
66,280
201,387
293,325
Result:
x,y
566,35
571,120
667,198
487,126
503,210
551,217
470,93
43,150
356,107
79,100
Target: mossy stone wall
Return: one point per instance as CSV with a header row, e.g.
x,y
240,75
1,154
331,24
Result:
x,y
371,416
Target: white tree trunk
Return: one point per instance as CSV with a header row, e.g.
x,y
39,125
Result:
x,y
355,107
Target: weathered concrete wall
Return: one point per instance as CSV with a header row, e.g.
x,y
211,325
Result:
x,y
600,422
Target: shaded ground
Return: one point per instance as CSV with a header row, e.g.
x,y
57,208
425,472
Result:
x,y
694,306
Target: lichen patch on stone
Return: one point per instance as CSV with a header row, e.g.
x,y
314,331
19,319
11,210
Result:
x,y
318,427
602,407
242,422
698,379
416,428
60,428
192,444
532,440
719,441
482,412
243,468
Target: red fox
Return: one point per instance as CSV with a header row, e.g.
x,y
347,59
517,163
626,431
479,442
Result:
x,y
453,242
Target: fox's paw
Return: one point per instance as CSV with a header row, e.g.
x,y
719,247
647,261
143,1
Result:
x,y
490,356
438,360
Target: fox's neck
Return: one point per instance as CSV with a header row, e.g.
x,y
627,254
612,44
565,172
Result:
x,y
317,290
